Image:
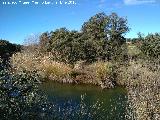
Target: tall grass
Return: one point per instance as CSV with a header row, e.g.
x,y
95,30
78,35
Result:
x,y
99,73
25,61
104,73
55,70
47,68
143,92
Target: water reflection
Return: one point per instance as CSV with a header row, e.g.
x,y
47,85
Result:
x,y
86,101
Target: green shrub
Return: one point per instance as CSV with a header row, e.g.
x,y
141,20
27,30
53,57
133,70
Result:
x,y
19,95
150,46
7,49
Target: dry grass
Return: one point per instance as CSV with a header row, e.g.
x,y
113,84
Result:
x,y
55,70
99,73
133,51
104,73
27,61
47,68
102,69
143,92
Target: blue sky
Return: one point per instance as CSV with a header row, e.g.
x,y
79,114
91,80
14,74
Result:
x,y
18,22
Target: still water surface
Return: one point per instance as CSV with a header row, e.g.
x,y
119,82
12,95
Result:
x,y
67,96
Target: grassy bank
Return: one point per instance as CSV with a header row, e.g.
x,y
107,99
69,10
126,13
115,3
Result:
x,y
98,73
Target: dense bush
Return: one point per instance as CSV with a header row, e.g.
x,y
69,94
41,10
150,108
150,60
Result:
x,y
20,97
100,38
67,44
7,49
150,46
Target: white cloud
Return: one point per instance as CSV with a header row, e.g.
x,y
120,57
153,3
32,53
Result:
x,y
137,2
102,3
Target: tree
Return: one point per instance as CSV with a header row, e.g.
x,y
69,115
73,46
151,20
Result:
x,y
100,38
66,44
116,26
106,33
95,37
95,27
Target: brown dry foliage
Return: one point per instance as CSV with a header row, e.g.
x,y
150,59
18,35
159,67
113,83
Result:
x,y
143,92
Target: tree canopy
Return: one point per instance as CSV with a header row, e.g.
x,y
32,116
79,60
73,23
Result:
x,y
100,38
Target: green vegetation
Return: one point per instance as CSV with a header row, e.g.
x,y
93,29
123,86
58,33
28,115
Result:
x,y
98,54
151,46
19,94
7,49
100,38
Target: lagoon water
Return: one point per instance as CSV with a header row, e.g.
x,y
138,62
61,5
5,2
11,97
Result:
x,y
69,97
